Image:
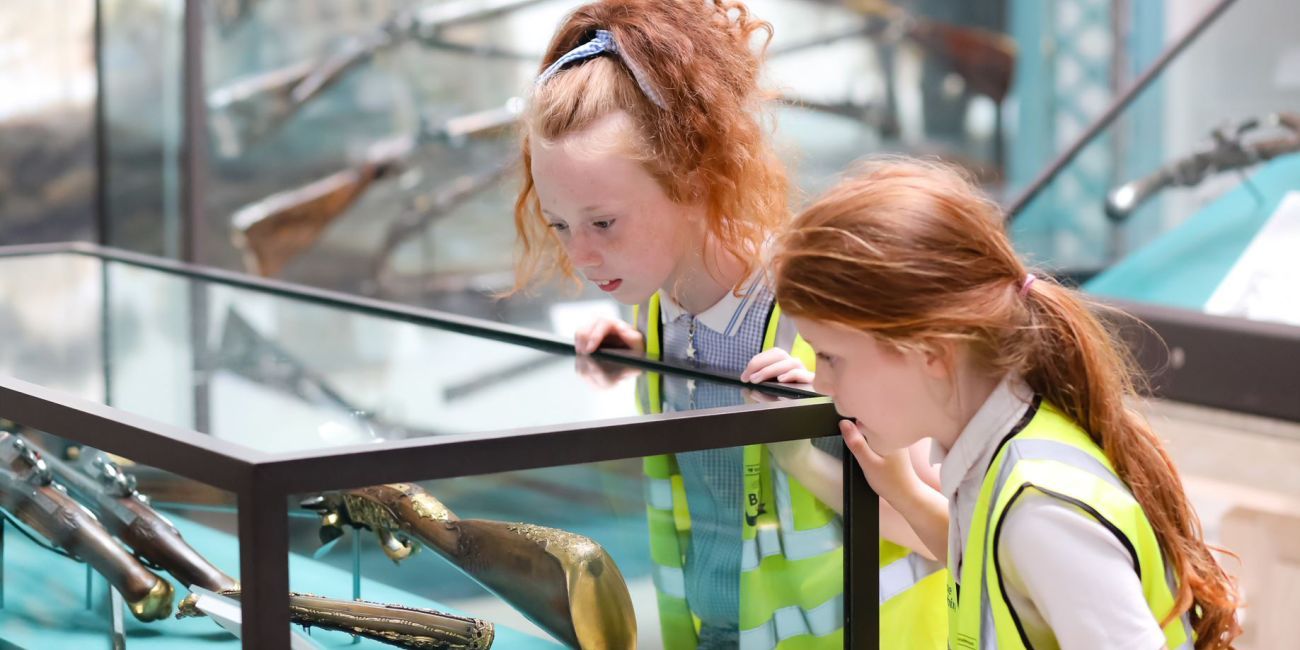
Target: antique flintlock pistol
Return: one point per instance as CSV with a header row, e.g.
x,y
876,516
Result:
x,y
28,491
565,583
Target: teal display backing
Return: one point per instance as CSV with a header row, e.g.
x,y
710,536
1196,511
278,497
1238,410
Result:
x,y
45,606
1183,267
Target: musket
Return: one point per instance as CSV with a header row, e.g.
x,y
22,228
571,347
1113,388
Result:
x,y
278,228
398,625
1228,151
111,494
29,492
564,582
984,59
435,205
249,109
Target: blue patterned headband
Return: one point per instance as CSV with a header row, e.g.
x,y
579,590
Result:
x,y
603,42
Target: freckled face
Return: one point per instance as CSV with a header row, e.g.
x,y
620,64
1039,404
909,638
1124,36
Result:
x,y
618,227
890,392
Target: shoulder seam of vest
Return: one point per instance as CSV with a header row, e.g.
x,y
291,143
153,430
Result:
x,y
1020,425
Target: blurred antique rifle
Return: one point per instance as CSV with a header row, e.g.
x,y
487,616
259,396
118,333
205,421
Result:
x,y
276,229
29,492
984,59
565,583
111,494
248,109
1228,150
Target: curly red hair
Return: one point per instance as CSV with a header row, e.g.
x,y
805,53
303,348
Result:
x,y
708,145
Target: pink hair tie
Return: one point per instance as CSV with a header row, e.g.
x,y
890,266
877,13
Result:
x,y
1029,282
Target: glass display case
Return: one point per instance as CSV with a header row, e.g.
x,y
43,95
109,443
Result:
x,y
306,441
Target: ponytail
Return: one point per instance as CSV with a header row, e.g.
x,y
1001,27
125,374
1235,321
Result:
x,y
1079,365
913,253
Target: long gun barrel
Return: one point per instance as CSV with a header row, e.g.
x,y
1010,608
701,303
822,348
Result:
x,y
1228,152
27,490
984,59
278,228
399,625
565,583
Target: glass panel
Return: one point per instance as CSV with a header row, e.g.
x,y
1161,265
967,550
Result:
x,y
501,548
141,54
179,533
434,227
47,119
280,374
1188,199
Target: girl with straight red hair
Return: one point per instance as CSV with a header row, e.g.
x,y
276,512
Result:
x,y
1065,524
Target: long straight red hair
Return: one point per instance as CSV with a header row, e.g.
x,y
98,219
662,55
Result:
x,y
913,253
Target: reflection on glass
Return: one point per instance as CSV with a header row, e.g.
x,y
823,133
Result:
x,y
140,55
279,374
595,533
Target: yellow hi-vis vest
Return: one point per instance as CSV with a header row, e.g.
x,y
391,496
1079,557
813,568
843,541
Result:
x,y
1052,456
792,566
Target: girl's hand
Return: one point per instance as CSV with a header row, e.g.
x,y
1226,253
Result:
x,y
891,475
776,364
608,333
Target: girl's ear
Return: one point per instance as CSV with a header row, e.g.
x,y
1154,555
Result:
x,y
939,358
697,189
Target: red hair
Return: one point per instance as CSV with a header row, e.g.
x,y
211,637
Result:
x,y
913,253
708,145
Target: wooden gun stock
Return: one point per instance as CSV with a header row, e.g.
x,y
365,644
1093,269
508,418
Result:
x,y
111,495
985,59
123,511
278,228
565,583
28,491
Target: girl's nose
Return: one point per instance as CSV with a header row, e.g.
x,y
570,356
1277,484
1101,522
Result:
x,y
582,253
822,384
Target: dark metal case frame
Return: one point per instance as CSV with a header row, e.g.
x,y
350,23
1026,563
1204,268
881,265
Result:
x,y
263,482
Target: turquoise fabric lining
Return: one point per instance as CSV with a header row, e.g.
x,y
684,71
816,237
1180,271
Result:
x,y
1183,267
44,605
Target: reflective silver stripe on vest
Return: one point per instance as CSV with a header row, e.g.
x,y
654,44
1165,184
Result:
x,y
794,544
766,543
789,622
1029,449
659,493
784,503
902,574
670,581
797,545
